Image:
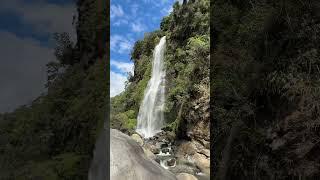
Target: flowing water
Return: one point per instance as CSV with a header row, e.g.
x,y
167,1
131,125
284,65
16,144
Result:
x,y
150,117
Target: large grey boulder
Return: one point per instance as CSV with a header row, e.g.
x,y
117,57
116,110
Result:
x,y
128,161
186,176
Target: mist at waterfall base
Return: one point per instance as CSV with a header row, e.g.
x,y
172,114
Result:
x,y
150,117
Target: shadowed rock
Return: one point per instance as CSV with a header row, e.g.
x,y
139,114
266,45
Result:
x,y
99,165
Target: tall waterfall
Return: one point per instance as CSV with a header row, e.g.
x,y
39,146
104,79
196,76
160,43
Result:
x,y
150,117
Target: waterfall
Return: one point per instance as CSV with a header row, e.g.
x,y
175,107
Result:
x,y
150,117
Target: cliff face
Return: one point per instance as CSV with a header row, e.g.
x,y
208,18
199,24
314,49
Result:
x,y
187,74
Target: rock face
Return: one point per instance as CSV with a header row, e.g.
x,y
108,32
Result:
x,y
149,154
202,162
128,161
197,153
186,176
137,138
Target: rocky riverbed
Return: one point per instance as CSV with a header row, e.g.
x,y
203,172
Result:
x,y
185,159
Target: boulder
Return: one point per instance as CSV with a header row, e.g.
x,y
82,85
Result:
x,y
149,154
186,148
202,162
128,161
164,145
138,139
171,162
205,143
160,145
186,176
200,131
165,150
153,148
164,136
184,166
205,152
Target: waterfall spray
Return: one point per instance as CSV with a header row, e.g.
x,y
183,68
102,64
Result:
x,y
150,117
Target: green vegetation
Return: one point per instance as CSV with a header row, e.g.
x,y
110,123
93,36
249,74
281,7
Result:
x,y
265,66
187,69
54,136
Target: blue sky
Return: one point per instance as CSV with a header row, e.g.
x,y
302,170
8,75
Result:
x,y
26,28
130,20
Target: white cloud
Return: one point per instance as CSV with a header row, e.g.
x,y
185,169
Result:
x,y
122,66
116,11
167,10
120,44
138,27
43,16
134,10
120,22
153,2
117,83
125,47
118,80
23,74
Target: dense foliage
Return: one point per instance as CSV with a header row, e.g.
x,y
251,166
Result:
x,y
187,71
53,137
266,88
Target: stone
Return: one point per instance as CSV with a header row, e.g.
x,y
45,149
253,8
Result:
x,y
186,148
171,162
171,136
200,131
157,160
137,138
184,168
160,145
186,176
149,154
205,152
202,162
164,136
152,148
205,143
163,145
165,150
128,161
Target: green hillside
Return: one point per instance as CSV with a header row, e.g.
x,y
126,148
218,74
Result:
x,y
187,73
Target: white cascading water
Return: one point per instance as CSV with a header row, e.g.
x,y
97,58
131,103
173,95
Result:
x,y
150,117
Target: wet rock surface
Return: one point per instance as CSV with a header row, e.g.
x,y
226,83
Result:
x,y
171,162
191,157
